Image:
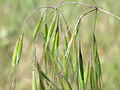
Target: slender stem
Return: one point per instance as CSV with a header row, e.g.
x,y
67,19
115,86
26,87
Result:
x,y
86,13
33,11
95,20
65,3
63,17
80,17
109,13
79,3
88,5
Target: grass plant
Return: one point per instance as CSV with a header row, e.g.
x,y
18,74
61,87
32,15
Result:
x,y
62,66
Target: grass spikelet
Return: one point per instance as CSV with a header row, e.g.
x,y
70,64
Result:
x,y
36,31
65,43
41,82
50,31
92,81
74,56
44,76
86,74
81,67
81,64
69,35
17,51
34,84
73,36
97,63
56,40
65,84
45,31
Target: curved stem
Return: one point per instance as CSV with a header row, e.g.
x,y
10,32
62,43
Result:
x,y
94,25
79,3
80,17
33,11
109,13
90,6
64,3
63,17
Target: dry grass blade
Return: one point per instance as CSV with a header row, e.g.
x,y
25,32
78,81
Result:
x,y
17,51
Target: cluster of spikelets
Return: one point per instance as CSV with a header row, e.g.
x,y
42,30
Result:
x,y
62,66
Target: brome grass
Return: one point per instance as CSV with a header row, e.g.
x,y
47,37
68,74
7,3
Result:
x,y
63,66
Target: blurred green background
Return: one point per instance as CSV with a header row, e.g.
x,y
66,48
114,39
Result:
x,y
12,14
